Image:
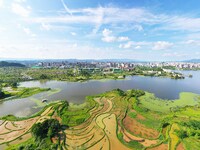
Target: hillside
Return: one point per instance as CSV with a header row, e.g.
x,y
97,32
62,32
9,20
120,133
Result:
x,y
9,64
193,61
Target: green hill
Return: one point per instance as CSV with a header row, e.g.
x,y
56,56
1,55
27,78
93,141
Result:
x,y
9,64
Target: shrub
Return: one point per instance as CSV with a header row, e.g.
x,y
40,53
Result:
x,y
135,93
132,114
181,134
136,144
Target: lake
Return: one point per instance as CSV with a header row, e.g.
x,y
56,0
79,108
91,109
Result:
x,y
75,92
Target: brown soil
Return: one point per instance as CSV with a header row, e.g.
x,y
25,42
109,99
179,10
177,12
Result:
x,y
180,147
3,130
160,147
140,117
103,145
145,142
139,129
22,139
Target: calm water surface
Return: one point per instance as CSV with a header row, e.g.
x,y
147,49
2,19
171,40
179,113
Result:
x,y
75,92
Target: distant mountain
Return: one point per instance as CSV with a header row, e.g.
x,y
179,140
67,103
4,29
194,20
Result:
x,y
10,64
29,61
104,60
193,60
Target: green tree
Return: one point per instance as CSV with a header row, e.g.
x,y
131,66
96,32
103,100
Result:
x,y
14,85
1,93
136,93
37,131
50,133
181,134
48,128
85,73
43,76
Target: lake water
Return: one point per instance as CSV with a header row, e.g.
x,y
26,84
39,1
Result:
x,y
75,92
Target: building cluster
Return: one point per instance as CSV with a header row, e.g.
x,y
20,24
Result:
x,y
182,65
119,65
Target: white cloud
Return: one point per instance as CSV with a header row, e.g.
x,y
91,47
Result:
x,y
20,1
66,8
138,47
122,38
135,45
193,42
2,29
62,49
45,27
73,33
106,32
29,32
20,10
193,35
138,27
99,13
112,15
126,45
174,54
108,37
1,3
75,45
190,42
184,23
161,45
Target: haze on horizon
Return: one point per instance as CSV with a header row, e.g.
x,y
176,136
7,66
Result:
x,y
133,29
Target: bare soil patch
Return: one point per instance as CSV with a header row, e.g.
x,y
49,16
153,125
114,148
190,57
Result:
x,y
139,129
160,147
180,147
140,117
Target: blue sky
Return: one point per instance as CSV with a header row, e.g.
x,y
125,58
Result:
x,y
134,29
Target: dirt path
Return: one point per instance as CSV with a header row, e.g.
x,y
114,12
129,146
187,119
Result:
x,y
99,120
110,129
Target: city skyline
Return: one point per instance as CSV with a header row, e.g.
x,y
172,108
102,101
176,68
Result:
x,y
152,30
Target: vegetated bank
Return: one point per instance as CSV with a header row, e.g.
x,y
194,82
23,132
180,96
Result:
x,y
19,92
116,119
10,75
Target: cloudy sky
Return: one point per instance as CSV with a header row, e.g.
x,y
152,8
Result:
x,y
98,29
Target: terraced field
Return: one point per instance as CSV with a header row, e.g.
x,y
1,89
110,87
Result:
x,y
114,123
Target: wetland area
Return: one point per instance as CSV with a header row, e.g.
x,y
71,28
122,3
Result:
x,y
75,92
141,113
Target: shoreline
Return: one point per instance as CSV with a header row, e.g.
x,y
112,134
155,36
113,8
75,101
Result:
x,y
146,92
